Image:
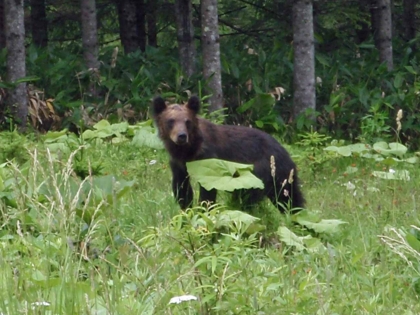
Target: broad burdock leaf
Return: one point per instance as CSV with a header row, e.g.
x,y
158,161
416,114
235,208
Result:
x,y
412,160
103,124
103,129
392,148
351,169
324,226
290,238
228,216
349,149
301,243
242,220
389,161
145,137
108,185
396,175
359,147
344,151
52,136
223,175
313,222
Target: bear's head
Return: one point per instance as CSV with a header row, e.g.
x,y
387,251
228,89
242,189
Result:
x,y
176,123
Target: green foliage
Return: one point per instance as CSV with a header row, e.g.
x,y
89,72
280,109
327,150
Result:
x,y
300,243
223,175
405,243
263,113
396,175
31,186
360,99
309,221
313,222
387,153
103,129
388,149
356,97
13,146
146,136
312,142
74,246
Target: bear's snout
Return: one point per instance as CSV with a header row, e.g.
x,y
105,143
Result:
x,y
182,138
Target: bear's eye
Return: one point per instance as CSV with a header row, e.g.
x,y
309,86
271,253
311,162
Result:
x,y
170,123
188,123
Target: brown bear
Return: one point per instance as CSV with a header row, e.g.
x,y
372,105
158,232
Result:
x,y
188,137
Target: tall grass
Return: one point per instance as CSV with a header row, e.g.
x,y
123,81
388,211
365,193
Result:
x,y
70,246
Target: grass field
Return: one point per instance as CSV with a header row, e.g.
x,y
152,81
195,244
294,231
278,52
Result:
x,y
118,244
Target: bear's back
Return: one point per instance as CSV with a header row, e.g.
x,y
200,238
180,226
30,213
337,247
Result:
x,y
237,143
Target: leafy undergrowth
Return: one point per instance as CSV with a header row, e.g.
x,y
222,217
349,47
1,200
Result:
x,y
115,242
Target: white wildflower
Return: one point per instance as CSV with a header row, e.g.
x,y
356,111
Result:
x,y
42,303
350,186
319,81
182,298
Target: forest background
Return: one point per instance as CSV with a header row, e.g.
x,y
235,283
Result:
x,y
87,221
342,67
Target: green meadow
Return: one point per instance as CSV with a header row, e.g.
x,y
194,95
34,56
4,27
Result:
x,y
89,225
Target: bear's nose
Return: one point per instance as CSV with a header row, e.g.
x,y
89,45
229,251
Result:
x,y
182,138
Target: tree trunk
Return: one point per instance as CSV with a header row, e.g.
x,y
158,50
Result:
x,y
2,26
409,19
141,23
385,33
304,57
39,23
89,33
211,52
185,36
152,22
90,43
16,68
127,15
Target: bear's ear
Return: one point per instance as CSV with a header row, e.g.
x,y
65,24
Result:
x,y
159,106
194,104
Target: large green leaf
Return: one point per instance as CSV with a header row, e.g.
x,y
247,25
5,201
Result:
x,y
227,217
392,148
396,175
103,129
144,137
301,243
108,185
290,238
313,222
223,175
349,149
323,226
344,151
52,136
103,124
413,242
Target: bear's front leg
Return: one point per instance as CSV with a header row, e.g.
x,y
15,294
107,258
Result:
x,y
209,196
181,185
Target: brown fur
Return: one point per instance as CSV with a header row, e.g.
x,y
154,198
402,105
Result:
x,y
188,137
